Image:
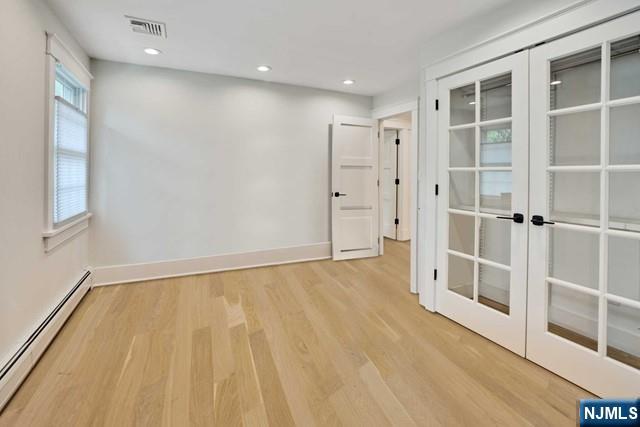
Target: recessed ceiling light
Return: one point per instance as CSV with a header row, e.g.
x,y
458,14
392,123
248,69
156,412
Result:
x,y
472,103
555,82
263,68
152,51
348,82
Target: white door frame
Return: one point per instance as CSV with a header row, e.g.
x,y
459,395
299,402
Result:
x,y
403,208
386,112
382,181
578,15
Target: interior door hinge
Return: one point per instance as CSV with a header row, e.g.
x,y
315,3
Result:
x,y
396,221
437,189
437,105
397,181
435,274
378,134
378,182
397,141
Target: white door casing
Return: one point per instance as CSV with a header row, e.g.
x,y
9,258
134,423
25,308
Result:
x,y
355,195
584,269
405,191
389,175
396,164
492,150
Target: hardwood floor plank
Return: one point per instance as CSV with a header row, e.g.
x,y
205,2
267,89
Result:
x,y
177,394
201,392
278,411
247,379
356,406
223,358
385,398
227,403
150,398
284,358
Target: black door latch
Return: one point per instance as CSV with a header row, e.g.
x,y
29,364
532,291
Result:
x,y
517,218
539,220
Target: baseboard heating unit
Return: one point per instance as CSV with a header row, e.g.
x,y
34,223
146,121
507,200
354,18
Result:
x,y
20,364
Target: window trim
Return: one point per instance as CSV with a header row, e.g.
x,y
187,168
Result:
x,y
57,53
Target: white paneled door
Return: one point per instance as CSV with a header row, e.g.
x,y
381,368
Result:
x,y
482,213
584,268
354,180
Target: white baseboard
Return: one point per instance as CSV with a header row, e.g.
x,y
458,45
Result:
x,y
31,353
116,274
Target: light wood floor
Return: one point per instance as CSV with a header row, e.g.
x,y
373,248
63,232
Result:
x,y
318,343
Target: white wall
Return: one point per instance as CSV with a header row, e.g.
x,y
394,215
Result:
x,y
468,33
406,92
187,164
492,23
32,282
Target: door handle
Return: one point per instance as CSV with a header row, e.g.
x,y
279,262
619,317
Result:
x,y
539,220
517,218
337,194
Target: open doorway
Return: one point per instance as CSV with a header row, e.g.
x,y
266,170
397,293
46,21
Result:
x,y
395,140
398,169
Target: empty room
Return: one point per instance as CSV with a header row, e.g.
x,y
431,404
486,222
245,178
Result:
x,y
296,213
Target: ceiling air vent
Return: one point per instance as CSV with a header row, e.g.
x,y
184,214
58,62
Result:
x,y
146,26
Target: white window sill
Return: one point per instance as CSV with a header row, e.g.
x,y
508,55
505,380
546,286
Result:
x,y
54,238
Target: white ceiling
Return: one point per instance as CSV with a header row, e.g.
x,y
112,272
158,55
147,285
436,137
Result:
x,y
316,43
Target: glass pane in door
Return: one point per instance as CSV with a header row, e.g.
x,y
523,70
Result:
x,y
574,139
462,147
495,192
575,79
462,189
462,233
625,68
461,273
574,257
573,316
493,287
623,342
624,200
462,103
624,134
495,145
495,240
624,267
574,197
495,98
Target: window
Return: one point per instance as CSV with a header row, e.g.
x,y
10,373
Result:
x,y
67,143
70,148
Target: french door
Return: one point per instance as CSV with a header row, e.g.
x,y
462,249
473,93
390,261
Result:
x,y
482,216
584,267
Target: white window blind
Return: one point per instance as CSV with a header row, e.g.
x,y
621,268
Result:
x,y
70,149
